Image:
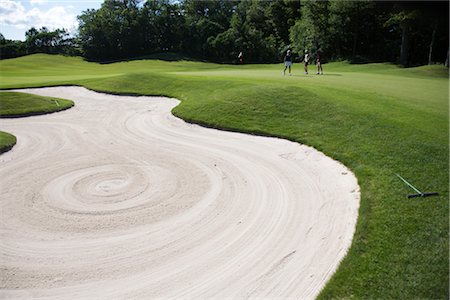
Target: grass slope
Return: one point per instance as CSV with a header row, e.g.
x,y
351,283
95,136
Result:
x,y
377,119
7,141
14,104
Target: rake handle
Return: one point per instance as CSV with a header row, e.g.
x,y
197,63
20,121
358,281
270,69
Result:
x,y
410,185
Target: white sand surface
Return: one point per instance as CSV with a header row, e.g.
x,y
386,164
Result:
x,y
117,198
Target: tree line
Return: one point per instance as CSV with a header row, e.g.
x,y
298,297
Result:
x,y
40,40
409,33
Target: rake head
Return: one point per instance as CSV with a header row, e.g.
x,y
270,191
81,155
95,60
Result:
x,y
423,195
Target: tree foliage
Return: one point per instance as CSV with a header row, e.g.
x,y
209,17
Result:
x,y
205,20
10,48
312,31
407,32
363,31
40,40
46,41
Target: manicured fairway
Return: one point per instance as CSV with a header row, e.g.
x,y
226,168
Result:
x,y
377,119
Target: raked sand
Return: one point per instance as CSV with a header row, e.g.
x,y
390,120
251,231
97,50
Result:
x,y
117,198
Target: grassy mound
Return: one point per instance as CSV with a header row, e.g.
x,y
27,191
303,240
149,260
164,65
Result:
x,y
378,119
7,141
13,105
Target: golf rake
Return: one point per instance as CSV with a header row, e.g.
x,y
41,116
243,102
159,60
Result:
x,y
419,193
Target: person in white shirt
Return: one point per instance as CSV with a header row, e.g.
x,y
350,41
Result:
x,y
306,61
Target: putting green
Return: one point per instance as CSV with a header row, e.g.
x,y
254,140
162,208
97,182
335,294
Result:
x,y
377,119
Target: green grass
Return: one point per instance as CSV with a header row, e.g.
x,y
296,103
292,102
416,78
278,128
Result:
x,y
13,104
7,141
378,119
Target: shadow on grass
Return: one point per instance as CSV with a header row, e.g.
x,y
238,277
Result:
x,y
33,113
164,56
314,75
175,56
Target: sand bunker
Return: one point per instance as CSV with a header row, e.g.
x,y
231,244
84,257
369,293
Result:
x,y
118,198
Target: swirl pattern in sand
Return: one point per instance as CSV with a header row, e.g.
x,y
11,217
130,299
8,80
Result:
x,y
118,198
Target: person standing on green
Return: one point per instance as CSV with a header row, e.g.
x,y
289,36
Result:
x,y
287,62
241,58
319,62
306,61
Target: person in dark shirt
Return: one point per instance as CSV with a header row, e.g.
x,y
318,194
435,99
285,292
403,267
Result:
x,y
287,62
319,62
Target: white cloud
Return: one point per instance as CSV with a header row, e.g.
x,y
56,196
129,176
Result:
x,y
13,13
33,2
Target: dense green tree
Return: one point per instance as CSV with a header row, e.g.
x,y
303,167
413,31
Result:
x,y
419,28
404,32
164,26
405,20
281,16
244,35
351,26
128,28
10,48
47,41
312,31
407,32
40,40
259,29
111,31
204,21
93,42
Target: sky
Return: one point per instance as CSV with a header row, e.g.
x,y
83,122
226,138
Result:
x,y
17,16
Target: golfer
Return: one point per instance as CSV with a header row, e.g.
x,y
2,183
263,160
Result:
x,y
287,62
241,58
306,61
319,62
